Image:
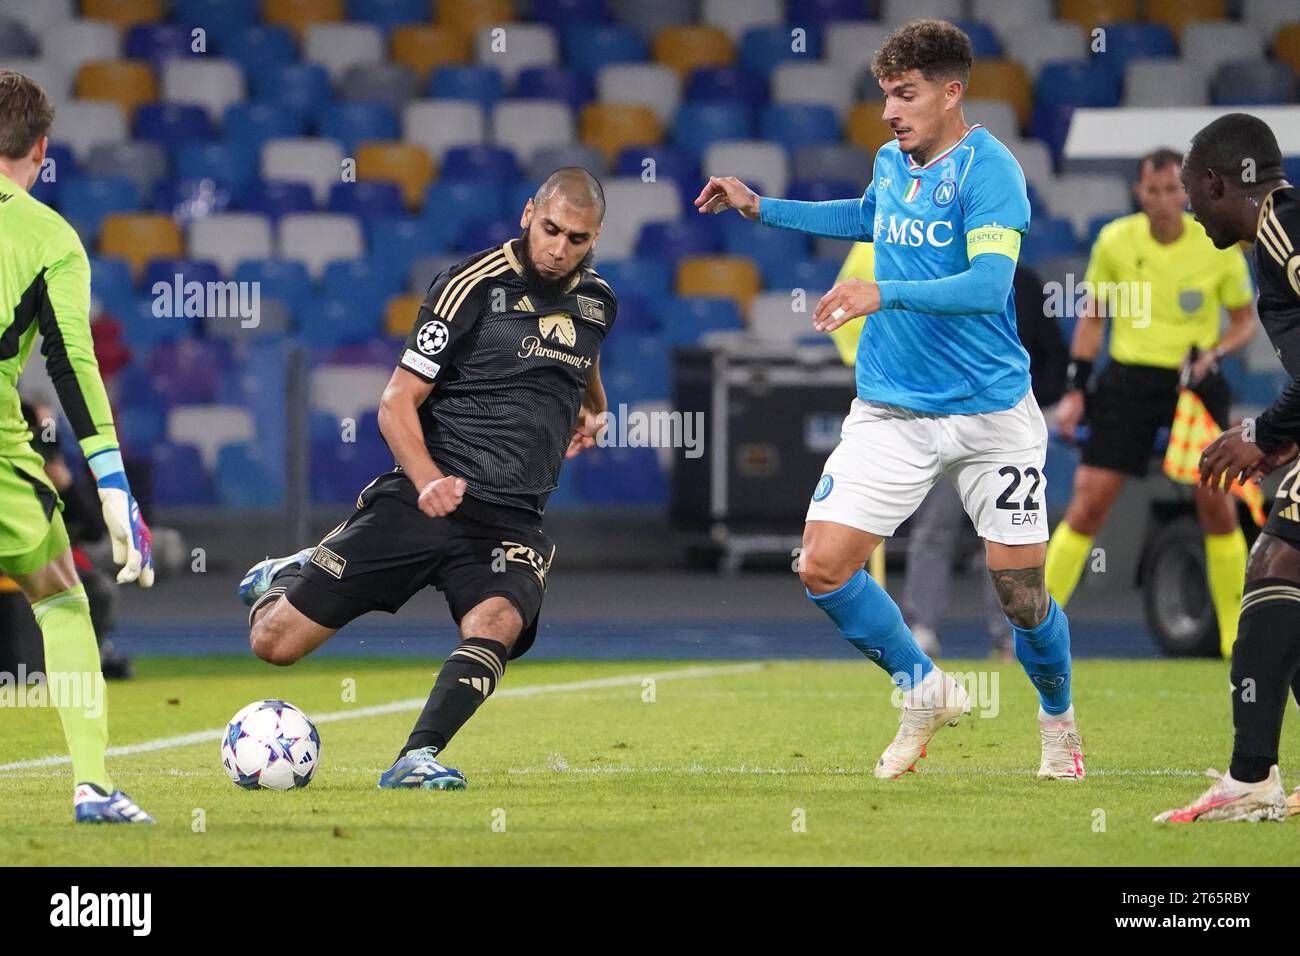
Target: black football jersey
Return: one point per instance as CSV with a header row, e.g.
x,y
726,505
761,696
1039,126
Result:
x,y
1277,269
509,367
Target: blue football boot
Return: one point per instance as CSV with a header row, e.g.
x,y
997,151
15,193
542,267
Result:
x,y
418,768
92,805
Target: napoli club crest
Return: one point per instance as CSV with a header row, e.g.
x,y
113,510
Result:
x,y
823,489
944,193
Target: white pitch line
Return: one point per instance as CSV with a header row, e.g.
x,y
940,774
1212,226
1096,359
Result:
x,y
838,771
397,706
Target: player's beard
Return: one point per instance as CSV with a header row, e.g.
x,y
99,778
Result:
x,y
539,283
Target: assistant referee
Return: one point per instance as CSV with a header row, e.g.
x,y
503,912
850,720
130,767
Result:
x,y
1161,257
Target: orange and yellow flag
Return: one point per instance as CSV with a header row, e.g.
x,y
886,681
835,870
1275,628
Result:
x,y
1194,428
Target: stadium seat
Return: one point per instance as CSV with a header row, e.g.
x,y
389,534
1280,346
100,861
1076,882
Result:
x,y
244,478
725,277
282,280
249,125
298,15
438,124
773,318
1077,83
456,203
228,238
338,46
1286,46
528,45
752,161
1005,18
1177,14
560,83
592,47
315,239
426,268
140,427
1127,42
366,199
172,123
144,163
425,48
984,42
631,204
1268,16
1164,83
738,16
223,161
166,270
211,83
346,390
525,126
363,281
996,116
54,78
1050,237
895,13
769,248
763,48
123,13
128,83
641,84
1253,83
1091,13
352,123
479,84
848,47
687,320
139,237
843,161
648,278
625,476
178,477
208,428
388,14
793,125
637,366
1207,46
304,87
142,329
84,125
817,83
111,283
1038,43
699,125
1008,80
687,48
257,47
673,240
401,314
391,84
550,158
407,165
726,84
480,162
814,273
38,15
88,199
1035,161
315,161
275,198
483,232
866,128
611,127
160,42
819,190
75,42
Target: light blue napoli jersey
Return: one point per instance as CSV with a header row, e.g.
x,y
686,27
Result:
x,y
921,215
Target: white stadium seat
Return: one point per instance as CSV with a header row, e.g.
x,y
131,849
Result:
x,y
229,237
316,238
437,125
315,161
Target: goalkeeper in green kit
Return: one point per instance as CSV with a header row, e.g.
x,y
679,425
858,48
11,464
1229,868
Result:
x,y
45,288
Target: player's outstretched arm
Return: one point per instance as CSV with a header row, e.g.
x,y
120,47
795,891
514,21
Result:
x,y
399,423
836,218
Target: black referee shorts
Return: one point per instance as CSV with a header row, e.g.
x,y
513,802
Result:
x,y
389,549
1130,404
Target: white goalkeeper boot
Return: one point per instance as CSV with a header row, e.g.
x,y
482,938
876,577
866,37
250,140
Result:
x,y
936,701
1062,747
1231,799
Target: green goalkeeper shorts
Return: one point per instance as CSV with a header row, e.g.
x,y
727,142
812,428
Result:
x,y
31,525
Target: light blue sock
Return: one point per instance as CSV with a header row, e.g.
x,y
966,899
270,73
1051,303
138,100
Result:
x,y
870,621
1044,653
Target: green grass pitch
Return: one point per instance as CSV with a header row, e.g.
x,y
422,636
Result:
x,y
760,763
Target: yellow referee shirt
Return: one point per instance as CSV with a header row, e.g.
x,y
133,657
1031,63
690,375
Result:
x,y
1188,282
860,263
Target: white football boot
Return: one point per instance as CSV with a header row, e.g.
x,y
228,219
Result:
x,y
936,701
1293,803
1230,799
1062,747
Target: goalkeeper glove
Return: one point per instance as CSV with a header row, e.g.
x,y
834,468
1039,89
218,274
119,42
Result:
x,y
132,542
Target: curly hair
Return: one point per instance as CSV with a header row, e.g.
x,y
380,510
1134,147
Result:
x,y
938,49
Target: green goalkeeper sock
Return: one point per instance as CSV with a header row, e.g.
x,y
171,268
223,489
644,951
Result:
x,y
74,682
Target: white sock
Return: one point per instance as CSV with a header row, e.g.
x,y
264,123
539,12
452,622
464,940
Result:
x,y
1065,718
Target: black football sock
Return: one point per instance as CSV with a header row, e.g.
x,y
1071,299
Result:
x,y
466,679
1264,664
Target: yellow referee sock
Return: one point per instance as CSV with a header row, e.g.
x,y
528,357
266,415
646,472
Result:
x,y
74,682
1225,567
1067,552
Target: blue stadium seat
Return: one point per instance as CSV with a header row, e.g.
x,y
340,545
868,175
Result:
x,y
821,190
822,12
304,87
1095,225
482,84
622,476
285,280
248,125
564,13
158,42
984,42
793,125
649,278
1253,83
635,316
766,246
481,233
367,199
403,239
222,161
764,48
346,320
1126,42
220,18
516,198
141,327
359,280
672,241
1051,124
172,123
480,162
277,197
245,479
671,163
1049,236
813,274
60,168
697,126
339,470
111,284
178,476
188,199
555,83
637,368
686,318
1291,165
140,427
88,199
1077,83
593,46
459,201
190,270
354,122
387,14
258,47
727,84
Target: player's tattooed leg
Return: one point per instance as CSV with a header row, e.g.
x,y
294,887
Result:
x,y
1023,595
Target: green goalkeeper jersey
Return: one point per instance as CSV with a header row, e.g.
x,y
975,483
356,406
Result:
x,y
45,287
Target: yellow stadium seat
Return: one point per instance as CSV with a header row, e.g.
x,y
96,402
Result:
x,y
470,16
297,15
124,13
1089,13
1176,14
1003,80
1286,47
424,49
866,128
690,48
128,83
611,126
139,237
406,164
725,277
399,316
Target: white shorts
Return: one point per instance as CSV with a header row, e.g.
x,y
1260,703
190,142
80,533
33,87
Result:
x,y
888,458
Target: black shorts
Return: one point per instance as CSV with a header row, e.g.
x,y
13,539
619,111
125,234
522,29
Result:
x,y
389,549
1130,404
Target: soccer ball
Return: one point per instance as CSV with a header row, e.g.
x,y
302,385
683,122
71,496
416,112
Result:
x,y
272,745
